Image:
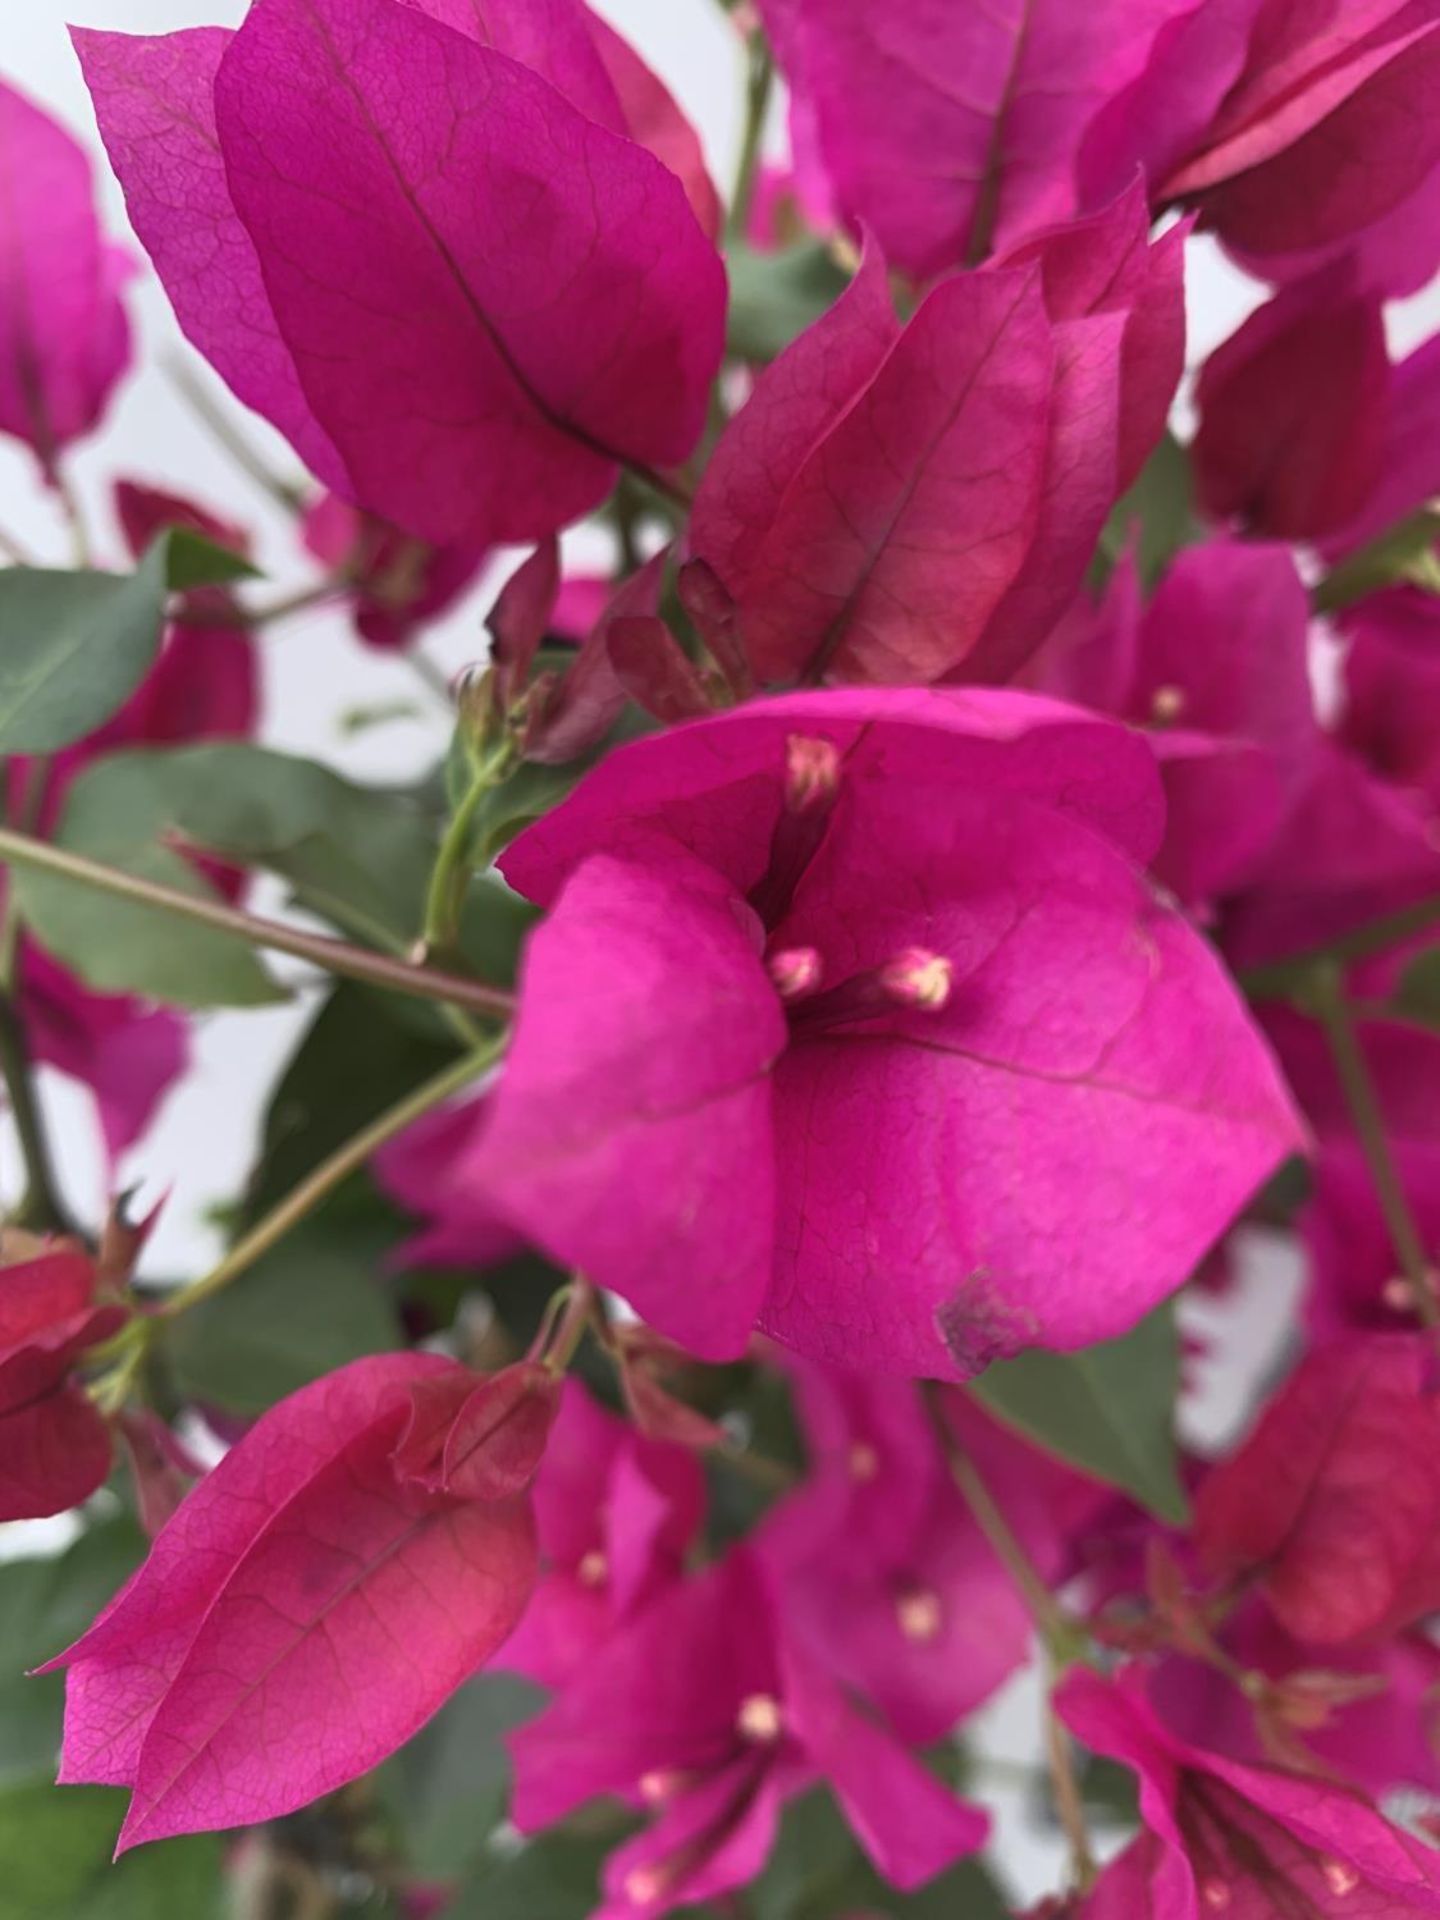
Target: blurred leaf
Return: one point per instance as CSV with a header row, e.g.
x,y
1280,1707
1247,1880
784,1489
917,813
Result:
x,y
818,1871
192,560
1404,555
44,1605
1109,1409
529,794
776,296
73,648
355,857
1157,514
315,1302
347,1068
450,1785
555,1878
55,1847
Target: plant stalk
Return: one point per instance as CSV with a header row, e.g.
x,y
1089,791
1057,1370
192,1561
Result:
x,y
331,1172
321,950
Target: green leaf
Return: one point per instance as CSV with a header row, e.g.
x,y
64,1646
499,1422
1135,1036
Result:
x,y
1157,514
1108,1409
55,1847
73,648
44,1605
346,1069
555,1878
775,296
317,1301
1405,554
355,856
449,1787
193,561
322,1297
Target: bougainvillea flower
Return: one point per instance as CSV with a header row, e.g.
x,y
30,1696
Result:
x,y
1215,668
708,1710
554,309
64,335
54,1444
951,132
881,1565
897,504
252,1663
1367,1713
1256,114
1333,1503
892,912
616,1514
1293,413
398,585
1247,1841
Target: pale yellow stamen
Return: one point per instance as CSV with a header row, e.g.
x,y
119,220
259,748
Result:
x,y
594,1569
920,1615
759,1718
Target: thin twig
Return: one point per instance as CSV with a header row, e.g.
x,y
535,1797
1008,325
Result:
x,y
40,1207
193,392
332,956
331,1172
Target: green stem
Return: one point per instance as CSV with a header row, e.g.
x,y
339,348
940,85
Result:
x,y
759,85
453,864
330,1174
237,614
226,436
1054,1624
332,956
1279,979
40,1207
1328,1004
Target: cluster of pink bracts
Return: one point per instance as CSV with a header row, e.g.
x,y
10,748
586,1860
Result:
x,y
979,924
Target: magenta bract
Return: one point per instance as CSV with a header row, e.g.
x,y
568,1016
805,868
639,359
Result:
x,y
1333,1502
64,335
251,1664
1254,113
906,504
707,1709
1248,1840
1004,93
495,395
54,1445
985,962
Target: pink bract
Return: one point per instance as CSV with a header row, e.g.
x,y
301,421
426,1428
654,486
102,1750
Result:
x,y
1245,1840
64,335
902,504
765,1145
498,392
252,1663
707,1710
1004,94
54,1444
